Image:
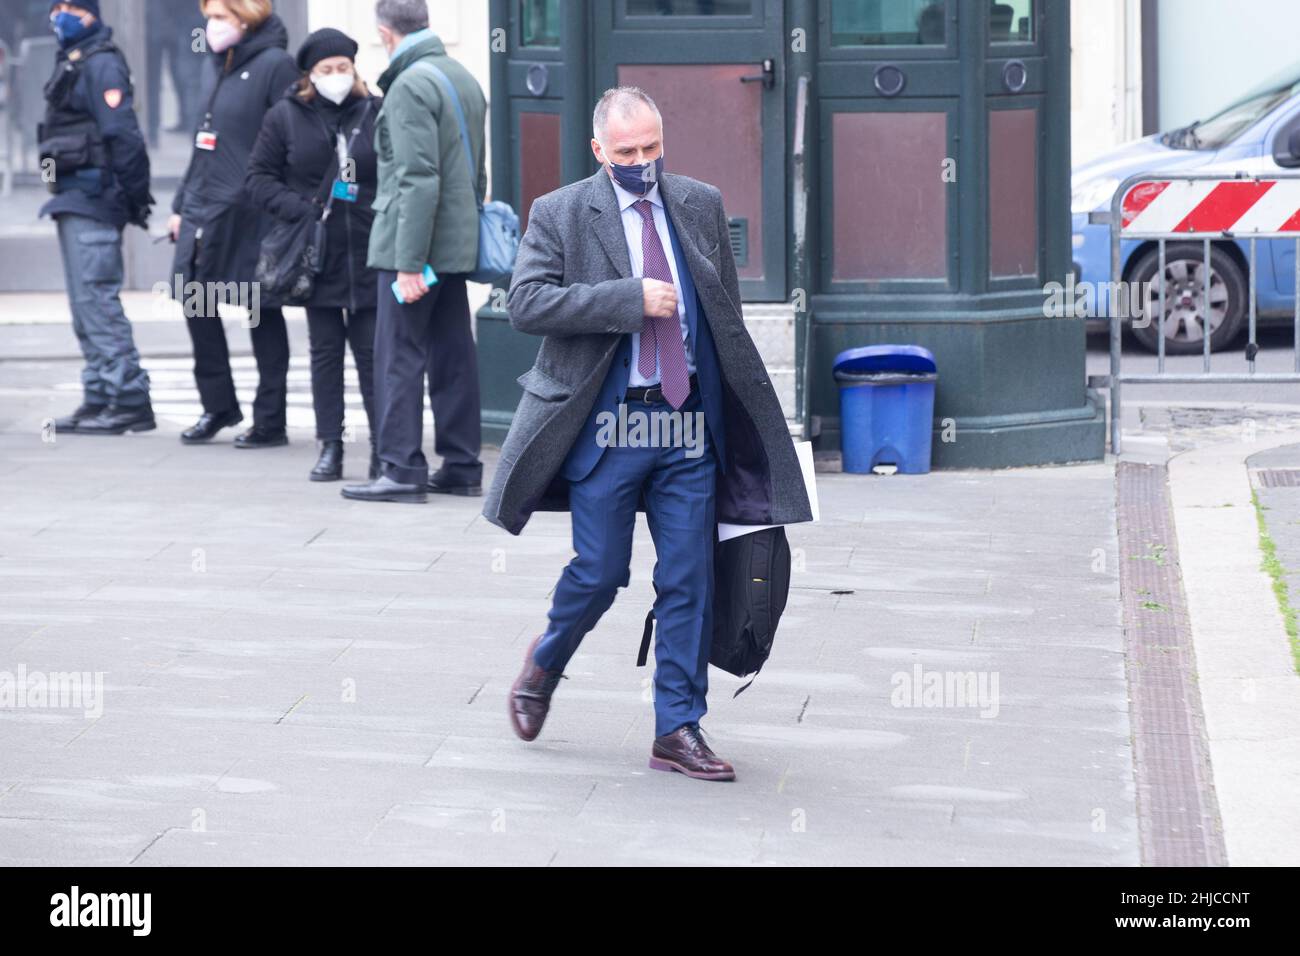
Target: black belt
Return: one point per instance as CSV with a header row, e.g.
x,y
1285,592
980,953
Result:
x,y
652,393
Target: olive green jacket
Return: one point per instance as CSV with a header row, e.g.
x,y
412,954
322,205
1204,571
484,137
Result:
x,y
426,206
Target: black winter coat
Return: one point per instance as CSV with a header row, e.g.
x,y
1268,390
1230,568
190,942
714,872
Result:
x,y
240,89
294,163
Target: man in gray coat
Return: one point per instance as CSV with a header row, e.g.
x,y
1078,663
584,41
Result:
x,y
630,278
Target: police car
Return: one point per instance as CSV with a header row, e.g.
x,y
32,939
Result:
x,y
1259,135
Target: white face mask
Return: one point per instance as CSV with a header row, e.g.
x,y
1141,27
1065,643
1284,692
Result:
x,y
335,87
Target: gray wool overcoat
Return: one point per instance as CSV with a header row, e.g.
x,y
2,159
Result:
x,y
573,284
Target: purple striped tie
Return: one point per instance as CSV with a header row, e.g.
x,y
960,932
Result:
x,y
661,335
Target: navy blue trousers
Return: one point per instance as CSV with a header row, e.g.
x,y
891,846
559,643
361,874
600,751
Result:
x,y
432,335
678,483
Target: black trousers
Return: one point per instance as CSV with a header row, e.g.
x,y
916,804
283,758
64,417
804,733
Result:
x,y
431,335
212,366
330,331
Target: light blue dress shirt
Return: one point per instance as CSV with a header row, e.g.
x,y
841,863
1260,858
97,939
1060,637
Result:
x,y
632,224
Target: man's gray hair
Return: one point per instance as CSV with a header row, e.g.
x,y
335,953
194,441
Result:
x,y
403,16
624,99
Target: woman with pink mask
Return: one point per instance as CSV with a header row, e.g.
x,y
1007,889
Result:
x,y
218,228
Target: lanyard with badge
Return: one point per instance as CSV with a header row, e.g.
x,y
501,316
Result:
x,y
206,137
345,189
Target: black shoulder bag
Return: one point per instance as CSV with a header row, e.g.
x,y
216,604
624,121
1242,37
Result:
x,y
292,254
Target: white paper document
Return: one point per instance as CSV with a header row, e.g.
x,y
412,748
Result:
x,y
803,449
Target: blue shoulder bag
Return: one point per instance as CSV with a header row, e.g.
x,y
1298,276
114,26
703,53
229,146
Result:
x,y
498,223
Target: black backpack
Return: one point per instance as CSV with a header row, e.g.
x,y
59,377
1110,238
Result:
x,y
751,581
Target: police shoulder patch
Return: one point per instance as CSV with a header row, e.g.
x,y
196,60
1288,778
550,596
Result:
x,y
113,98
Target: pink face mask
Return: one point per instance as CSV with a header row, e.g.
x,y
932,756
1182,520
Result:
x,y
222,35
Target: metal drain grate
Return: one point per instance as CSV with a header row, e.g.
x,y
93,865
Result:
x,y
1277,477
1178,815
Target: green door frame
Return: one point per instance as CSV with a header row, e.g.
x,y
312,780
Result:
x,y
619,39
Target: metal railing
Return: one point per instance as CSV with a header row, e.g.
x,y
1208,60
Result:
x,y
1254,227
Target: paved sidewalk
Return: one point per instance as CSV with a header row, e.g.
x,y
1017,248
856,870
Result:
x,y
292,678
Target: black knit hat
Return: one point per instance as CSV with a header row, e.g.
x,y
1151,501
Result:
x,y
90,6
325,42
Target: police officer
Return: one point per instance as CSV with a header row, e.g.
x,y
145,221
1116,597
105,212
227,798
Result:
x,y
94,158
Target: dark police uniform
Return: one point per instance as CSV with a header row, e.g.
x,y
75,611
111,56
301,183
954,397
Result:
x,y
94,158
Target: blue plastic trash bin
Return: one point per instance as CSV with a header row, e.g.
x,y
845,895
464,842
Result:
x,y
886,407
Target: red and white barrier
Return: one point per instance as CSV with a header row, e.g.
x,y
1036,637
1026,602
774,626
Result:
x,y
1241,207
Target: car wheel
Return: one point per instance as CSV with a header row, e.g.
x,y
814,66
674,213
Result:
x,y
1183,323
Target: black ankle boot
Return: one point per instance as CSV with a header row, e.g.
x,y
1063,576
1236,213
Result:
x,y
329,466
84,413
114,421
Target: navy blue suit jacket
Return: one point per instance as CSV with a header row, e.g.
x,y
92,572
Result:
x,y
586,452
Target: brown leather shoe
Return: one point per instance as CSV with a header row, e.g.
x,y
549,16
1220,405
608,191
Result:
x,y
530,696
685,751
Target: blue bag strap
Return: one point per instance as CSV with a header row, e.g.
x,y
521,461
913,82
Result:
x,y
460,118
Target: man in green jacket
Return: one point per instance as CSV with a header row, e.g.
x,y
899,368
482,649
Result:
x,y
426,214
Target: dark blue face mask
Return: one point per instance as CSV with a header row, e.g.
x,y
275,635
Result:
x,y
68,28
639,177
